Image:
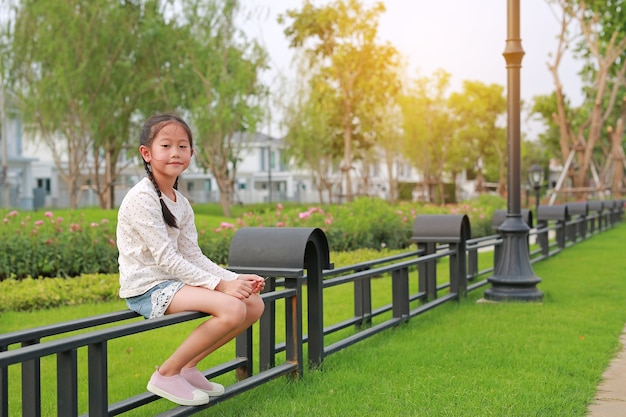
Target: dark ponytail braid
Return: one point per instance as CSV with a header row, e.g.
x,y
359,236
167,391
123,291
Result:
x,y
151,127
169,218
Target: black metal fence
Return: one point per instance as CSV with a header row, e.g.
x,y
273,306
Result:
x,y
444,266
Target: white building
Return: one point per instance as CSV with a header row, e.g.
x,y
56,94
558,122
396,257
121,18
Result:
x,y
262,176
16,175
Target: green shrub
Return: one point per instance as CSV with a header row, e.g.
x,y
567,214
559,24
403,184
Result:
x,y
30,294
33,294
368,223
49,245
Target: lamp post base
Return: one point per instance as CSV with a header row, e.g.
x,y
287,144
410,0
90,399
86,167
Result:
x,y
514,278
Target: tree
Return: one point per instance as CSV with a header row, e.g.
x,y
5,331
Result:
x,y
311,133
341,38
80,69
479,110
222,91
601,42
429,129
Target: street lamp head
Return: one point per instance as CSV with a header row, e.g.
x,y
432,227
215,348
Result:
x,y
535,175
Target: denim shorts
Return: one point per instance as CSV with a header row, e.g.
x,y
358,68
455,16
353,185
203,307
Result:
x,y
156,300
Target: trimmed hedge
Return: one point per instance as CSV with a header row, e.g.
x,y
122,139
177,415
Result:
x,y
34,294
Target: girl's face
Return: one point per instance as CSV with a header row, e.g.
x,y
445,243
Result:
x,y
170,152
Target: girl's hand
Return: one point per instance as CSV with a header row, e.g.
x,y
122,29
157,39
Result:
x,y
258,283
243,286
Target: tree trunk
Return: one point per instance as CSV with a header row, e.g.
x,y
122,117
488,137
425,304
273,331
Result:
x,y
617,156
225,186
346,165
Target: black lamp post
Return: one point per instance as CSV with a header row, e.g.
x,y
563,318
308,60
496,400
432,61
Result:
x,y
513,278
535,177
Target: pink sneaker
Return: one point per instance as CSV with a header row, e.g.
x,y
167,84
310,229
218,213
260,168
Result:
x,y
176,389
195,378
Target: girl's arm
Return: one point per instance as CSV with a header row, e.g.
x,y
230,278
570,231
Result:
x,y
189,248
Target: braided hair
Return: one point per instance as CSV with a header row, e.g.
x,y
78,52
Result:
x,y
150,128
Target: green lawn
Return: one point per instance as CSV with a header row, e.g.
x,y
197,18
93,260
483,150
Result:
x,y
460,359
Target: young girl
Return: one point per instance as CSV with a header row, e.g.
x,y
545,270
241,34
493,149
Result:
x,y
163,271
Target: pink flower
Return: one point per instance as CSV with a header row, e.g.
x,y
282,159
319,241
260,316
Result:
x,y
280,224
226,225
328,220
39,223
279,206
13,213
304,215
48,214
94,224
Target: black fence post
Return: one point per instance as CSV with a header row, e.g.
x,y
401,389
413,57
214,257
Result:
x,y
363,300
284,251
67,377
243,349
98,381
4,388
579,228
595,219
427,271
293,326
400,294
267,330
453,229
560,215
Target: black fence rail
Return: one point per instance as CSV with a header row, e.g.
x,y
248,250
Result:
x,y
445,264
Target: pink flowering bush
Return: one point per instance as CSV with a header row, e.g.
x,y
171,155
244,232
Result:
x,y
44,245
366,223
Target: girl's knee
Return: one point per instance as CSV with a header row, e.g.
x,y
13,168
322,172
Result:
x,y
255,306
235,314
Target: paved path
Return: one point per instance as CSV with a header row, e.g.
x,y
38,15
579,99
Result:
x,y
611,395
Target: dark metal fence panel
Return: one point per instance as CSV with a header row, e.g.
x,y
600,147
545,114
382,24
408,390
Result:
x,y
283,255
596,208
578,212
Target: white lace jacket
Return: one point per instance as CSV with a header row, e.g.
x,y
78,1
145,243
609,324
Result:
x,y
150,252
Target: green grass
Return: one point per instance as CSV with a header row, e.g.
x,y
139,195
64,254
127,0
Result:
x,y
460,359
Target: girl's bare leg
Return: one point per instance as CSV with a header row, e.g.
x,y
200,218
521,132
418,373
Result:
x,y
230,316
254,310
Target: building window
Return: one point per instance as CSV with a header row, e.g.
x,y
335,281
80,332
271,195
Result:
x,y
265,152
44,183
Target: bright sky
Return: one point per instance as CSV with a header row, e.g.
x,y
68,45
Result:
x,y
465,38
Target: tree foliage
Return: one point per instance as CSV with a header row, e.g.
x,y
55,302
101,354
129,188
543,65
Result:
x,y
218,77
479,110
80,68
593,131
87,72
340,39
